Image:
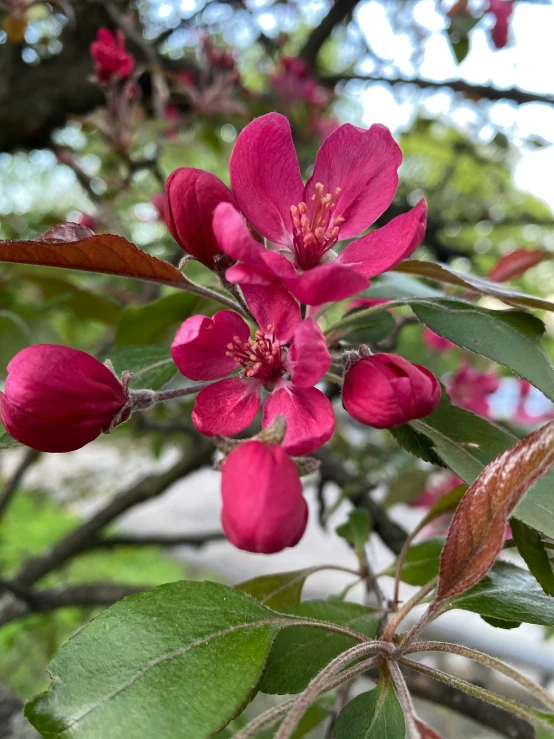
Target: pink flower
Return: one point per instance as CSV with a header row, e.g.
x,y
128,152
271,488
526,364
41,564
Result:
x,y
191,196
469,389
437,487
353,183
286,360
158,201
57,399
385,390
436,343
112,60
263,507
295,83
521,414
88,221
502,10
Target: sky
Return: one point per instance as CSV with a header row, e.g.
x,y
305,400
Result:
x,y
528,62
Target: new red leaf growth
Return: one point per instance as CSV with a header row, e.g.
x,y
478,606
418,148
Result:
x,y
477,530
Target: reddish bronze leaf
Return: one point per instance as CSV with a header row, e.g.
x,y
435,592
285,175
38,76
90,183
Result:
x,y
516,263
65,233
425,731
477,530
106,253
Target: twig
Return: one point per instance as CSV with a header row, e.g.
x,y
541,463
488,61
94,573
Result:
x,y
156,540
405,700
338,12
401,614
29,458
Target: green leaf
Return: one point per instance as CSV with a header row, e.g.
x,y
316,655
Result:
x,y
7,442
277,591
15,336
499,623
150,324
369,329
298,653
511,338
466,443
530,545
447,504
373,715
444,273
180,660
408,486
508,593
394,285
356,530
421,563
152,366
416,443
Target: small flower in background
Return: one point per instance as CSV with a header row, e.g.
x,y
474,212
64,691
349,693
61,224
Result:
x,y
191,196
211,348
353,183
112,60
58,399
295,83
436,343
263,507
436,488
502,11
470,389
88,221
385,390
158,201
521,414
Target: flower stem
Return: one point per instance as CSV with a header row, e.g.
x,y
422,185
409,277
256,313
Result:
x,y
406,608
405,700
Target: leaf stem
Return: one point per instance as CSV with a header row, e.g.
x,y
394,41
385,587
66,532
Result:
x,y
366,312
517,709
484,659
406,608
405,700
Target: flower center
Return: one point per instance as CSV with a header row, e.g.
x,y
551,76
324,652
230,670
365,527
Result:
x,y
261,357
317,232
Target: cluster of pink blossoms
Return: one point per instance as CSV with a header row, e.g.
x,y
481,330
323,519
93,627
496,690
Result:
x,y
273,237
112,61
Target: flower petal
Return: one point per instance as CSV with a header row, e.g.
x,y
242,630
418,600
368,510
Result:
x,y
237,242
265,176
386,247
326,283
226,407
309,414
199,348
273,306
363,163
308,358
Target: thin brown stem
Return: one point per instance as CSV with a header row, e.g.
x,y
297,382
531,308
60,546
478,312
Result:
x,y
405,700
401,614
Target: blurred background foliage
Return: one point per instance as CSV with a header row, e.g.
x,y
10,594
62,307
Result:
x,y
459,153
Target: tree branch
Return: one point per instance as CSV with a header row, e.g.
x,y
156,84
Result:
x,y
483,713
338,12
333,470
475,92
157,540
30,457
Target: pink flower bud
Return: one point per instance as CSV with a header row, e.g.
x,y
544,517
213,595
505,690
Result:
x,y
57,399
112,60
385,390
191,196
263,507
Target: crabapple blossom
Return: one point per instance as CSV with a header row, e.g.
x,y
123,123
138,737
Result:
x,y
284,361
112,61
191,196
436,343
58,399
353,183
263,506
385,390
470,389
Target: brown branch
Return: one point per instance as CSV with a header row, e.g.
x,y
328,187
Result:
x,y
92,595
30,457
157,540
338,12
333,470
77,541
466,705
475,92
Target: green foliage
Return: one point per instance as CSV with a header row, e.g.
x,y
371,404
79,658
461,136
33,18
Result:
x,y
152,366
299,653
531,547
373,715
356,530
